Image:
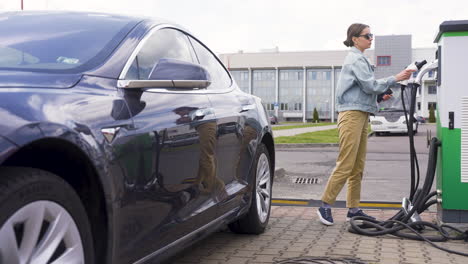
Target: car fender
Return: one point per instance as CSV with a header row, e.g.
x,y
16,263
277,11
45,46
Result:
x,y
79,136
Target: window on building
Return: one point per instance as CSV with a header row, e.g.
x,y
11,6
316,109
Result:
x,y
244,76
384,60
431,73
284,106
432,89
313,75
298,106
328,75
433,104
415,74
419,106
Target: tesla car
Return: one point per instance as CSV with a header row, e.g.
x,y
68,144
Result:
x,y
123,140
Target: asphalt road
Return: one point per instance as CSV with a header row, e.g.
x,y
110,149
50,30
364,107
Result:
x,y
386,177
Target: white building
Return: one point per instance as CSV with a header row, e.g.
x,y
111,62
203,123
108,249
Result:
x,y
292,84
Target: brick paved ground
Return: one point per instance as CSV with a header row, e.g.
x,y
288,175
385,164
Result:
x,y
296,232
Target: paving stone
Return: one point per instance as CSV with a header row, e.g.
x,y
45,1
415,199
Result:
x,y
296,231
212,261
288,254
237,260
415,261
217,256
265,258
269,251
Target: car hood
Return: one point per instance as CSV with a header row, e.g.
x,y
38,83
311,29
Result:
x,y
12,79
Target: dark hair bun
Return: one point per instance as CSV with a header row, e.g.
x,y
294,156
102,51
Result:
x,y
347,43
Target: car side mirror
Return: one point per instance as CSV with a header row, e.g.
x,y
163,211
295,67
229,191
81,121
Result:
x,y
171,73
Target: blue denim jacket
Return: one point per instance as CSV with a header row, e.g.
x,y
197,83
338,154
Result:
x,y
357,87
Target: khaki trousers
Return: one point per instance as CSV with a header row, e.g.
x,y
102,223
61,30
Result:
x,y
352,129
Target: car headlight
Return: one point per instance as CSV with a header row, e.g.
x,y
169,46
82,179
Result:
x,y
375,122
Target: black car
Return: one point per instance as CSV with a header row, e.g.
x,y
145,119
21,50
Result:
x,y
122,140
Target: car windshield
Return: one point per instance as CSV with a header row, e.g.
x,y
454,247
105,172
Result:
x,y
58,42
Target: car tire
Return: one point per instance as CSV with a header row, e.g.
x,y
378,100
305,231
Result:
x,y
41,219
256,220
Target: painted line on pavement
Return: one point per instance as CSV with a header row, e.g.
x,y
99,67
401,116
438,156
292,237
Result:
x,y
338,204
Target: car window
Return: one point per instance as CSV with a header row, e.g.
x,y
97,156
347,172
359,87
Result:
x,y
165,43
220,79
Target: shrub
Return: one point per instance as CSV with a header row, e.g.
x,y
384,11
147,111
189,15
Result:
x,y
316,116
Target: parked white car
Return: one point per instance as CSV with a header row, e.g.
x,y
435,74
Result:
x,y
391,121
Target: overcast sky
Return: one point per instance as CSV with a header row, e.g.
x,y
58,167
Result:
x,y
291,25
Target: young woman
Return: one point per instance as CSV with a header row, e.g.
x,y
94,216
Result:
x,y
356,97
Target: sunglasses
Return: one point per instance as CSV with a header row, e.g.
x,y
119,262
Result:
x,y
367,36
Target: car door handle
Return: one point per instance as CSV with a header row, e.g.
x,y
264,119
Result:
x,y
247,107
200,113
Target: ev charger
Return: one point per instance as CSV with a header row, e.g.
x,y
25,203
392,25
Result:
x,y
452,122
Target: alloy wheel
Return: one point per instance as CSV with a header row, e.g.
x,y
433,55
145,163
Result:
x,y
41,232
263,187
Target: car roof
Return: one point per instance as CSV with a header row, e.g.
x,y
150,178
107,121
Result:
x,y
66,15
80,16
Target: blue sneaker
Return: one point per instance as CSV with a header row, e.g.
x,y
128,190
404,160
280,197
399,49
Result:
x,y
358,213
325,216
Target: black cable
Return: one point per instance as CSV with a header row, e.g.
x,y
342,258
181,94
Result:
x,y
419,197
412,183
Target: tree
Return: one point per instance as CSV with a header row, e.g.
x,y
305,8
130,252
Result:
x,y
432,118
316,116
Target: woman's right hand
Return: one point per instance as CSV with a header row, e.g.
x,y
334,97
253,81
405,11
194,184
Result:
x,y
404,75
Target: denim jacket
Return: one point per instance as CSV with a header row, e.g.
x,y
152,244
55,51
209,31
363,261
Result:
x,y
357,87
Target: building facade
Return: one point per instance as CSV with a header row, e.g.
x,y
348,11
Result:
x,y
293,84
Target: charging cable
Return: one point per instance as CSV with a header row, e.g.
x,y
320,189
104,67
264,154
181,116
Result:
x,y
420,199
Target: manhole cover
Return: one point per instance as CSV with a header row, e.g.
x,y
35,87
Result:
x,y
309,260
302,180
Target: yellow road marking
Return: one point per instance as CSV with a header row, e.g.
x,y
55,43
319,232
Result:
x,y
380,205
289,202
384,205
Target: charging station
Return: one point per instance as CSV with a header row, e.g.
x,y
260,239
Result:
x,y
452,122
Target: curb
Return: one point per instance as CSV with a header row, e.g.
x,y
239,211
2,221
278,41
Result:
x,y
312,145
305,145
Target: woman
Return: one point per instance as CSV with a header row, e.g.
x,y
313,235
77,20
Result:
x,y
356,97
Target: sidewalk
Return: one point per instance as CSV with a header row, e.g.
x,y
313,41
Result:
x,y
296,232
296,131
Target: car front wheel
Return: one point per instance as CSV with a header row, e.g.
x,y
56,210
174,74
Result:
x,y
256,220
42,219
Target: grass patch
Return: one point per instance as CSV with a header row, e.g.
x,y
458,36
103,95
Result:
x,y
324,136
302,125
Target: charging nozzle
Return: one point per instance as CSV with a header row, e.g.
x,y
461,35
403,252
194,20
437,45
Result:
x,y
420,64
425,68
416,66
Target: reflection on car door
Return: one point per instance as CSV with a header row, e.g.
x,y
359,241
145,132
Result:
x,y
232,109
168,181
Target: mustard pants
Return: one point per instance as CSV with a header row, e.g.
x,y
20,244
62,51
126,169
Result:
x,y
352,129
